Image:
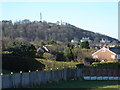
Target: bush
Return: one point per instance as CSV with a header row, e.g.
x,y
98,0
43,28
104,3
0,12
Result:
x,y
60,56
48,56
85,44
21,48
107,65
68,54
80,65
51,42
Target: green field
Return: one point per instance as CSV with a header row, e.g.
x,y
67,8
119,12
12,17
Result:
x,y
81,84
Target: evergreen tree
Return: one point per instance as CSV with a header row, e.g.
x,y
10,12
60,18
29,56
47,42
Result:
x,y
85,44
42,43
68,54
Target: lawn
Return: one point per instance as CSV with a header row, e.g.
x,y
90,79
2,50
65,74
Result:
x,y
81,84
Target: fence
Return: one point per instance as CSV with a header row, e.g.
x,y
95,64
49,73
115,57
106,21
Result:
x,y
101,74
39,77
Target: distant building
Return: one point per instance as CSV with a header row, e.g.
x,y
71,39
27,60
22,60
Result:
x,y
85,39
105,41
74,42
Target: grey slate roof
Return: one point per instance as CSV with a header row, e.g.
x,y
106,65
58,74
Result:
x,y
115,50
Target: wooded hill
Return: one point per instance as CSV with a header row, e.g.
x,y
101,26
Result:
x,y
36,31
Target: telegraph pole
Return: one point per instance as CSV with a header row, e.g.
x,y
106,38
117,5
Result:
x,y
40,17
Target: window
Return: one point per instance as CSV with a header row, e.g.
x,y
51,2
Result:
x,y
113,56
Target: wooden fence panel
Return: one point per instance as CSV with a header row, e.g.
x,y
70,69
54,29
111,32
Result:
x,y
43,77
86,72
25,79
115,73
33,78
7,81
17,80
110,72
104,72
39,77
99,73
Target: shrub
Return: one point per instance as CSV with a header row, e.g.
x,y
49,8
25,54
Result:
x,y
51,42
108,65
85,44
48,56
68,54
80,65
60,56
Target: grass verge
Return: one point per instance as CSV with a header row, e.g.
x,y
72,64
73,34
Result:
x,y
81,84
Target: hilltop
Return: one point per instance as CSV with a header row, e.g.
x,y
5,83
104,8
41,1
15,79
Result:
x,y
36,31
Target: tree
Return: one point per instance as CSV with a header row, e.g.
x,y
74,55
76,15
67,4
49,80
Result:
x,y
85,44
68,54
35,31
51,42
5,41
21,48
42,43
60,56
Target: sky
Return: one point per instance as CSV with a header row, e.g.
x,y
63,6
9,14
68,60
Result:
x,y
101,17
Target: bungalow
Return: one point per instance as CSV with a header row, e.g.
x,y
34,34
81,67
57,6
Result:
x,y
107,54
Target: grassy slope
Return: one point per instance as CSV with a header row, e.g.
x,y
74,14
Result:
x,y
81,84
50,64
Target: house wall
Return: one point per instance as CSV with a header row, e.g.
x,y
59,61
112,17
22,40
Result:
x,y
118,56
105,54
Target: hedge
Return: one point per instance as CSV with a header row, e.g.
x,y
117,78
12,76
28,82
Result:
x,y
107,65
16,63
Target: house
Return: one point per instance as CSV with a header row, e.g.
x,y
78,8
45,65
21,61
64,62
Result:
x,y
107,54
74,42
41,50
85,39
105,41
95,45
